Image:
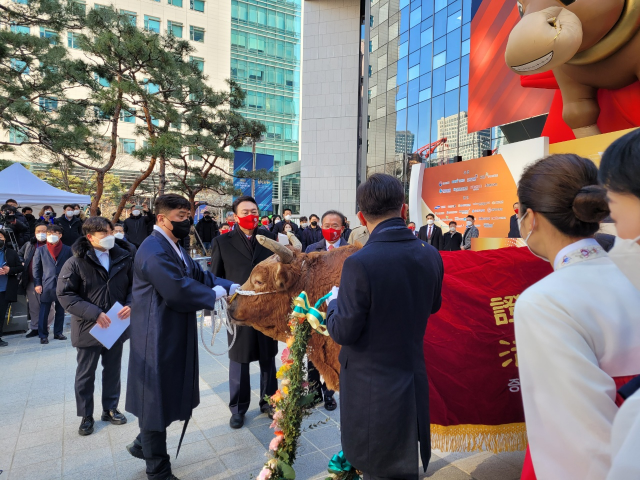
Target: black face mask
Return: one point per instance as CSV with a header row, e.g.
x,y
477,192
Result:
x,y
207,218
181,229
29,216
1,244
314,223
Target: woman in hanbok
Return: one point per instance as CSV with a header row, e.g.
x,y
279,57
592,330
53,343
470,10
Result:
x,y
620,174
575,329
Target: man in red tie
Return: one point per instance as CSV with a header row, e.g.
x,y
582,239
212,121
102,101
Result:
x,y
431,233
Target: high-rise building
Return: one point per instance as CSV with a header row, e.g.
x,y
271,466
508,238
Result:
x,y
459,140
265,61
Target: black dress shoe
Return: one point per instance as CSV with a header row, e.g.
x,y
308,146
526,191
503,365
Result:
x,y
44,341
329,403
237,420
3,343
268,409
60,337
31,334
86,427
113,416
135,449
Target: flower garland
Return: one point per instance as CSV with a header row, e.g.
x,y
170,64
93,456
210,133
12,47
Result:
x,y
294,400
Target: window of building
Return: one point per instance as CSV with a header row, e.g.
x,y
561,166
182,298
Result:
x,y
50,34
196,34
126,145
23,2
198,62
102,81
21,29
132,16
48,104
20,66
155,121
197,5
128,116
79,7
73,40
175,3
16,136
174,28
97,6
151,88
152,24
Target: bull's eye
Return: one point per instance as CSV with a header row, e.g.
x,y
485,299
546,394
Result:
x,y
258,282
520,10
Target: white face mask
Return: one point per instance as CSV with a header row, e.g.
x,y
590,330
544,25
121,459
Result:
x,y
469,223
452,229
76,212
526,240
430,222
287,217
69,213
107,242
119,235
41,237
136,213
277,220
303,225
53,239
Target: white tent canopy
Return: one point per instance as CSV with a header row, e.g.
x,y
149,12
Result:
x,y
28,190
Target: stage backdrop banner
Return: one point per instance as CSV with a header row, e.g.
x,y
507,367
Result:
x,y
470,351
264,189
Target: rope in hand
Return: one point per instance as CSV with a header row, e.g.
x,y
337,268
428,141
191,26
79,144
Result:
x,y
219,317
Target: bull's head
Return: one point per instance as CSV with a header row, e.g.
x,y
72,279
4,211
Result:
x,y
552,32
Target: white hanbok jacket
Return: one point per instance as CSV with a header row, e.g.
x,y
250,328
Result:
x,y
574,332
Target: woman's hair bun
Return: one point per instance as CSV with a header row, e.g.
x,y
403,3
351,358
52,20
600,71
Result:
x,y
590,204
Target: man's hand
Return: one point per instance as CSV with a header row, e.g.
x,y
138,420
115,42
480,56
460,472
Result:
x,y
145,207
4,270
104,321
233,289
124,313
334,294
39,290
220,292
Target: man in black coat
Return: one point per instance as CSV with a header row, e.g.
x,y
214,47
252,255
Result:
x,y
99,274
313,233
207,229
169,287
431,233
10,267
31,220
17,222
279,227
451,240
379,315
137,226
514,230
233,256
71,225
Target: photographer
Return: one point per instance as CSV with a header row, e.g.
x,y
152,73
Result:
x,y
14,220
47,214
31,220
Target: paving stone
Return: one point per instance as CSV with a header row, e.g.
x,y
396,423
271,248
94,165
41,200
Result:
x,y
35,439
85,461
47,470
190,454
325,436
105,472
449,473
48,452
212,469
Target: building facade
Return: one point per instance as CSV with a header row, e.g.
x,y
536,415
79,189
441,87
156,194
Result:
x,y
265,61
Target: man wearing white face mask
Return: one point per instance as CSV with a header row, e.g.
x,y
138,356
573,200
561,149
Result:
x,y
99,274
139,225
71,225
470,232
281,227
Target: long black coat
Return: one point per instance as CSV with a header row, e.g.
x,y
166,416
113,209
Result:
x,y
230,259
26,253
514,230
72,229
436,236
310,236
208,230
387,292
137,228
451,242
46,271
85,289
12,260
162,385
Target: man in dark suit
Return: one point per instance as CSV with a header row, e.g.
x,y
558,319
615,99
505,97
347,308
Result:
x,y
514,230
431,233
168,289
233,256
280,227
311,234
384,391
333,225
451,240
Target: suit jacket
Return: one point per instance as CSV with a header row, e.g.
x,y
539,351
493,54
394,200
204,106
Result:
x,y
388,290
321,246
469,233
451,242
436,236
163,381
231,259
514,231
46,271
279,227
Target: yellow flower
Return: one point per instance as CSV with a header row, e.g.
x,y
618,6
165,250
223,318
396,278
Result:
x,y
282,370
285,390
290,341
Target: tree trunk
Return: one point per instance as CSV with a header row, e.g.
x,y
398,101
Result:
x,y
95,201
132,189
162,176
192,201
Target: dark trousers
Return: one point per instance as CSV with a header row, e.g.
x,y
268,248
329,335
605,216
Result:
x,y
240,384
317,386
154,448
58,323
4,306
86,377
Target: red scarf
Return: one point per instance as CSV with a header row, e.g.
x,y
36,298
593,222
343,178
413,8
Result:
x,y
55,249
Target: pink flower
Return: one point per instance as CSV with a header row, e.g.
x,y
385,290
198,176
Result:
x,y
305,384
265,474
274,424
278,415
285,355
275,443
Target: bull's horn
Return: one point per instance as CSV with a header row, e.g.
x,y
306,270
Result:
x,y
286,255
293,240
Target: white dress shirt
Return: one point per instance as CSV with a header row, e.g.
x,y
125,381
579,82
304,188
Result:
x,y
173,244
103,258
334,245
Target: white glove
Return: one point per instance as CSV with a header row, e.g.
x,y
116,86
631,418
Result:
x,y
334,294
233,289
220,292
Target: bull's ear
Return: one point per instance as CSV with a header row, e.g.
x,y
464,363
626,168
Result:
x,y
284,277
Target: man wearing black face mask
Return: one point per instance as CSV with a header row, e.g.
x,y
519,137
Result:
x,y
31,220
207,229
168,289
312,234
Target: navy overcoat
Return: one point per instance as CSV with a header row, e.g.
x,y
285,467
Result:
x,y
162,385
388,290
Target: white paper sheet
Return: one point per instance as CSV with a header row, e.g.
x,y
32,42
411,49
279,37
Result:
x,y
108,336
283,239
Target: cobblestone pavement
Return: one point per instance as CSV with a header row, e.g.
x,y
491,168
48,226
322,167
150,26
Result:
x,y
39,438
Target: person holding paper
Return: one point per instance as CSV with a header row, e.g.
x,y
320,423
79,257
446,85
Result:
x,y
99,274
169,288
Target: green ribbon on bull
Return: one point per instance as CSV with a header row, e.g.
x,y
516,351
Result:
x,y
339,465
316,318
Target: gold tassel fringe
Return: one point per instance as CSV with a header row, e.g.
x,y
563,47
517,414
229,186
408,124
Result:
x,y
511,437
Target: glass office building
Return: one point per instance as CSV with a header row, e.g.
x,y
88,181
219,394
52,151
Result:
x,y
265,61
418,86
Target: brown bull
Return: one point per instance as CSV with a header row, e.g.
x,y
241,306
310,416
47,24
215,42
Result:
x,y
286,274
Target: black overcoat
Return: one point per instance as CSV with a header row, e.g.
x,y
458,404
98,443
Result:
x,y
388,290
451,241
12,260
514,230
230,259
436,236
72,229
162,385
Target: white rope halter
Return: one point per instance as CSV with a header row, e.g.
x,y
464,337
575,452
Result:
x,y
251,293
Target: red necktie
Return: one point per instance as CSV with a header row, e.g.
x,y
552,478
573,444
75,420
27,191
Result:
x,y
330,247
429,237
